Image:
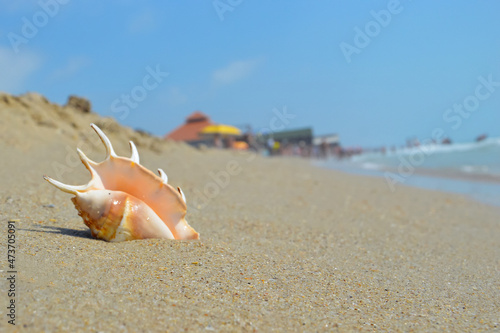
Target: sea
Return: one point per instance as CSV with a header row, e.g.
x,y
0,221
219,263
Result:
x,y
472,168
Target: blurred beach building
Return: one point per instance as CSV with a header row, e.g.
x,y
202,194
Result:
x,y
300,142
294,136
290,142
199,130
331,140
189,132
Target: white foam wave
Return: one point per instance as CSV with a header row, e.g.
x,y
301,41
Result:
x,y
475,169
457,147
371,166
473,157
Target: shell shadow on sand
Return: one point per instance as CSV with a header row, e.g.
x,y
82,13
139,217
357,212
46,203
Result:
x,y
63,231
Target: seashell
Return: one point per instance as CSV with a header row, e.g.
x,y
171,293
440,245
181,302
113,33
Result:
x,y
125,201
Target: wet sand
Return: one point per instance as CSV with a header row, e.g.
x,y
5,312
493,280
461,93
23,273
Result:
x,y
284,246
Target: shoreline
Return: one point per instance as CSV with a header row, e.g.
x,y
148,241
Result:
x,y
482,188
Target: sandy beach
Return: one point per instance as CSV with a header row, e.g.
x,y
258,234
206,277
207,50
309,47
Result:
x,y
284,246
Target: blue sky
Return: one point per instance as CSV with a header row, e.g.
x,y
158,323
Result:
x,y
376,72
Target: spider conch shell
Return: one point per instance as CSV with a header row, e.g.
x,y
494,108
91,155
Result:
x,y
125,201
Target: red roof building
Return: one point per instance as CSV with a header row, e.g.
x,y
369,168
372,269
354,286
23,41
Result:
x,y
189,131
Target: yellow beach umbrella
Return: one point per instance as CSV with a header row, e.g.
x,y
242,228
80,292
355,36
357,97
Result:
x,y
221,129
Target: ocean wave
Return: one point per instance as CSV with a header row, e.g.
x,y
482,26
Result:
x,y
491,143
481,158
475,169
371,166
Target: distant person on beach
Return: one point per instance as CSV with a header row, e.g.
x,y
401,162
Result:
x,y
481,137
228,141
323,149
217,141
276,148
338,151
250,139
270,146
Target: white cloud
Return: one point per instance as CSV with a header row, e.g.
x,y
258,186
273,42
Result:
x,y
16,68
72,67
145,21
235,71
